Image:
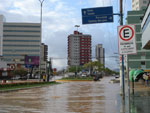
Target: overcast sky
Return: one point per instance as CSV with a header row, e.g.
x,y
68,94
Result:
x,y
59,19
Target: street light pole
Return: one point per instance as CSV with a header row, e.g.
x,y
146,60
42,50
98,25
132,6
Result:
x,y
77,26
41,2
121,23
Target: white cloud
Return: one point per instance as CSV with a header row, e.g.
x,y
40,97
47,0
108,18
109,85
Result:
x,y
53,1
100,3
59,18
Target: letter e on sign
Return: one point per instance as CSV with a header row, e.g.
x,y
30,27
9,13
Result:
x,y
126,33
127,39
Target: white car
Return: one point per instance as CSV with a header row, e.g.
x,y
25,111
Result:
x,y
83,75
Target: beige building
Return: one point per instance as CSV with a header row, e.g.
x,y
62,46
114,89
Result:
x,y
139,4
20,40
100,54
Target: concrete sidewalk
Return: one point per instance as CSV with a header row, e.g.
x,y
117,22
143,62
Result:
x,y
140,101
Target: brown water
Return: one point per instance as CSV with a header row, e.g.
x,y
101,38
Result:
x,y
70,97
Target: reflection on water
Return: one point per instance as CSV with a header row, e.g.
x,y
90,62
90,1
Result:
x,y
140,104
71,97
86,98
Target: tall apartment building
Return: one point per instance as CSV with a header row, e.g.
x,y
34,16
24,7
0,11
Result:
x,y
142,58
79,49
139,4
100,54
20,40
44,51
44,57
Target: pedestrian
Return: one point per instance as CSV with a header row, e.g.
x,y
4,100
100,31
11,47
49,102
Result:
x,y
44,78
145,76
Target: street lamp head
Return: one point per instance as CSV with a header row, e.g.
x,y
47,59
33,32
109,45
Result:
x,y
77,26
41,1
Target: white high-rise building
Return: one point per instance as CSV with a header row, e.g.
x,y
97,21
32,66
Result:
x,y
1,34
100,54
21,41
139,4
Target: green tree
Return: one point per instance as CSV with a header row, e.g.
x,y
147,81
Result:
x,y
109,71
20,71
94,66
75,68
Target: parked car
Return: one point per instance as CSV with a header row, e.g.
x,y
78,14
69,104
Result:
x,y
96,77
117,76
83,75
23,78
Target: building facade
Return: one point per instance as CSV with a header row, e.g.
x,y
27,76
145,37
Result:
x,y
44,57
79,49
20,40
1,34
44,50
142,58
100,54
139,4
146,29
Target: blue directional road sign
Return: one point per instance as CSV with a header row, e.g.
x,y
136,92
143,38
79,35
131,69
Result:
x,y
97,15
28,65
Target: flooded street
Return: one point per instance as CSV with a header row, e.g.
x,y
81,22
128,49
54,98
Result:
x,y
70,97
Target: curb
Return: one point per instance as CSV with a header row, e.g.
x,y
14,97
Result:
x,y
73,80
17,89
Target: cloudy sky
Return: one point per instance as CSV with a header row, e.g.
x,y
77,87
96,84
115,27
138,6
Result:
x,y
59,19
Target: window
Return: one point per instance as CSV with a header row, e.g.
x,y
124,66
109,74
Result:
x,y
144,2
142,62
142,53
133,5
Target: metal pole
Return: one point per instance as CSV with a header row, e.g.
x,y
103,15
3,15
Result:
x,y
121,23
41,2
128,85
132,85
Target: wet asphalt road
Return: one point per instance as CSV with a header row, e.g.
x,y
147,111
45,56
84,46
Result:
x,y
70,97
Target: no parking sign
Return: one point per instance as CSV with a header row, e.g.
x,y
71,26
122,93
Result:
x,y
127,39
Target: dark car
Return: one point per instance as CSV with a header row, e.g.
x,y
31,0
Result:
x,y
97,77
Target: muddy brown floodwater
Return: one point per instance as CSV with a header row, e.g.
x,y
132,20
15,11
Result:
x,y
70,97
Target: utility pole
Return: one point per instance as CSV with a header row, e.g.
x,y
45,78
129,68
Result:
x,y
121,23
41,3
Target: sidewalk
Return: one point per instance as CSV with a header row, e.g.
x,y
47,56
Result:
x,y
140,101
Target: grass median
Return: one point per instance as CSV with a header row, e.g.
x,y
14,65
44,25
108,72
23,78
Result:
x,y
15,86
78,78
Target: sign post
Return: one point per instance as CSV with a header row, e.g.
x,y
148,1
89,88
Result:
x,y
127,45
